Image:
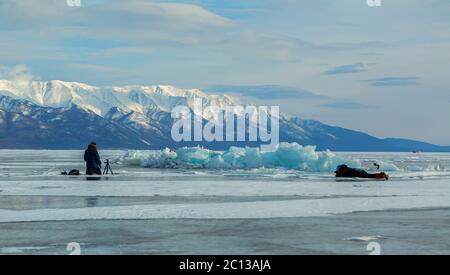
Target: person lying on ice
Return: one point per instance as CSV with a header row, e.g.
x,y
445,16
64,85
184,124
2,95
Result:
x,y
343,171
93,161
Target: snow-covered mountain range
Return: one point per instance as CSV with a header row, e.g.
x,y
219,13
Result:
x,y
66,115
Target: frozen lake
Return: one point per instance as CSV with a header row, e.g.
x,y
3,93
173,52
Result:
x,y
261,210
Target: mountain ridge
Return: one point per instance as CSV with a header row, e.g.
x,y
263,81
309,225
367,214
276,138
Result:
x,y
40,114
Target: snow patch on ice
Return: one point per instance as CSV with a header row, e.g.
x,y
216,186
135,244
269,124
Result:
x,y
229,210
18,250
364,238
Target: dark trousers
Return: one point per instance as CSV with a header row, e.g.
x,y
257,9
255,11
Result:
x,y
93,171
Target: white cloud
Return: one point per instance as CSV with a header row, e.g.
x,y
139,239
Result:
x,y
180,13
137,13
18,73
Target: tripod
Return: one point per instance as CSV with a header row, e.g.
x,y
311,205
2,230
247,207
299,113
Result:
x,y
107,168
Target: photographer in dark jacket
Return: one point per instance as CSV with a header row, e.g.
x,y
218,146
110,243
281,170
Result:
x,y
93,161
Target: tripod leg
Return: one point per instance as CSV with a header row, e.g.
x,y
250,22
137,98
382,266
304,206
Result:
x,y
108,169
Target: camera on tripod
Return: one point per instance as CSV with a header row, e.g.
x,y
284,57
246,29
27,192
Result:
x,y
107,169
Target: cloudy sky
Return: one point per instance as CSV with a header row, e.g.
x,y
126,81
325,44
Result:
x,y
383,70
